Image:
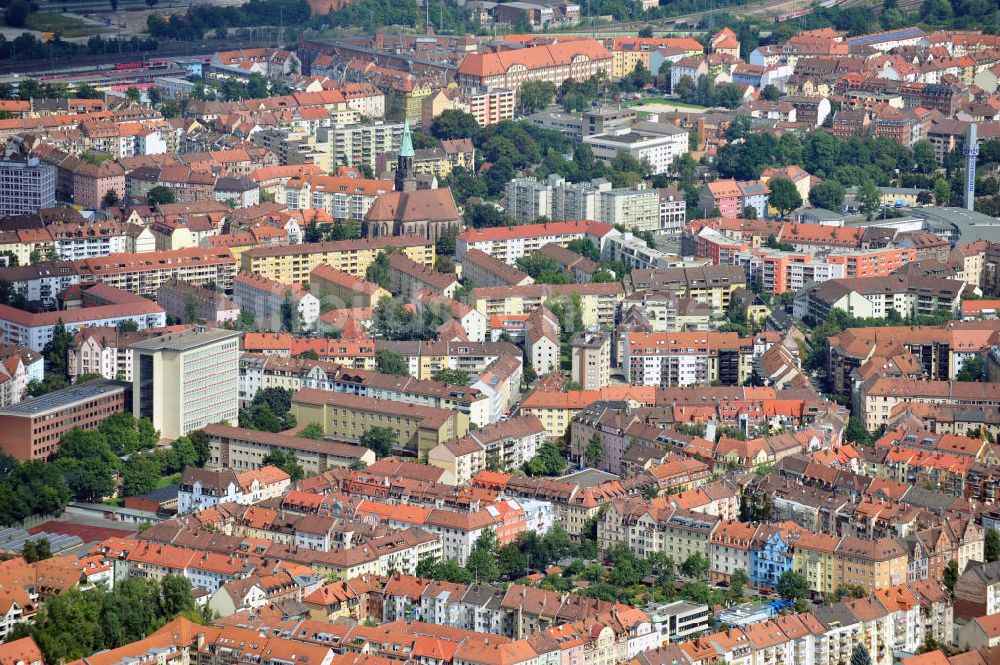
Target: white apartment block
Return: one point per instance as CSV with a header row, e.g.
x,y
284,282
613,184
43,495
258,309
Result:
x,y
635,253
659,148
264,298
26,186
508,244
355,145
635,208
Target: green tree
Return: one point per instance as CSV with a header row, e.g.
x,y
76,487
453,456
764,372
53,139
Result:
x,y
828,195
454,124
534,96
924,157
484,215
696,566
792,585
991,545
36,550
312,431
390,362
770,93
140,474
595,450
972,370
378,271
133,94
860,655
183,453
202,447
548,461
856,432
951,575
511,561
482,561
942,192
455,377
287,462
784,195
110,199
870,199
160,195
737,583
56,351
381,440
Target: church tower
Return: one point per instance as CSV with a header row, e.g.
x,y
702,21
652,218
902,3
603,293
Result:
x,y
404,163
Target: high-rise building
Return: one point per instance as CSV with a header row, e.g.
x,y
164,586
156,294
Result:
x,y
186,380
26,186
591,358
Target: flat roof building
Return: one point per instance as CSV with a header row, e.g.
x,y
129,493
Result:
x,y
31,430
186,380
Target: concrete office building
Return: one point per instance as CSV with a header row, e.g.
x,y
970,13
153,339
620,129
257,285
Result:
x,y
26,186
660,143
31,430
186,380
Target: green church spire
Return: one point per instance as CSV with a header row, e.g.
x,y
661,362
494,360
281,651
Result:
x,y
406,144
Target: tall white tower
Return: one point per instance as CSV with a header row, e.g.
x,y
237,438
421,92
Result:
x,y
971,151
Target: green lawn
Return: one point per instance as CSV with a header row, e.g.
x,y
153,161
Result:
x,y
66,26
664,100
168,480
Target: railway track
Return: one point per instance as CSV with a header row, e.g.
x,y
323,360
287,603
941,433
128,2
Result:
x,y
85,61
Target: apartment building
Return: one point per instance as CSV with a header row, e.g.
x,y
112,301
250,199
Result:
x,y
206,488
261,372
590,355
274,305
341,289
711,285
145,273
342,197
502,445
185,380
26,186
292,264
872,262
31,429
658,143
681,359
73,241
509,69
780,272
598,302
635,208
941,351
879,397
357,352
482,269
100,305
417,428
407,277
427,357
508,244
191,303
873,297
354,145
731,198
244,449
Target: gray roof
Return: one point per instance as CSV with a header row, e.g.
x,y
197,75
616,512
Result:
x,y
186,340
61,399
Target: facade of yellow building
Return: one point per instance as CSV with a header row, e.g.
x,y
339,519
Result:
x,y
418,429
291,264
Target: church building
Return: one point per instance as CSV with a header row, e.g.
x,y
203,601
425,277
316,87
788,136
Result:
x,y
428,213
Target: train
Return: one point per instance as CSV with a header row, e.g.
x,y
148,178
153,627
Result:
x,y
825,4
